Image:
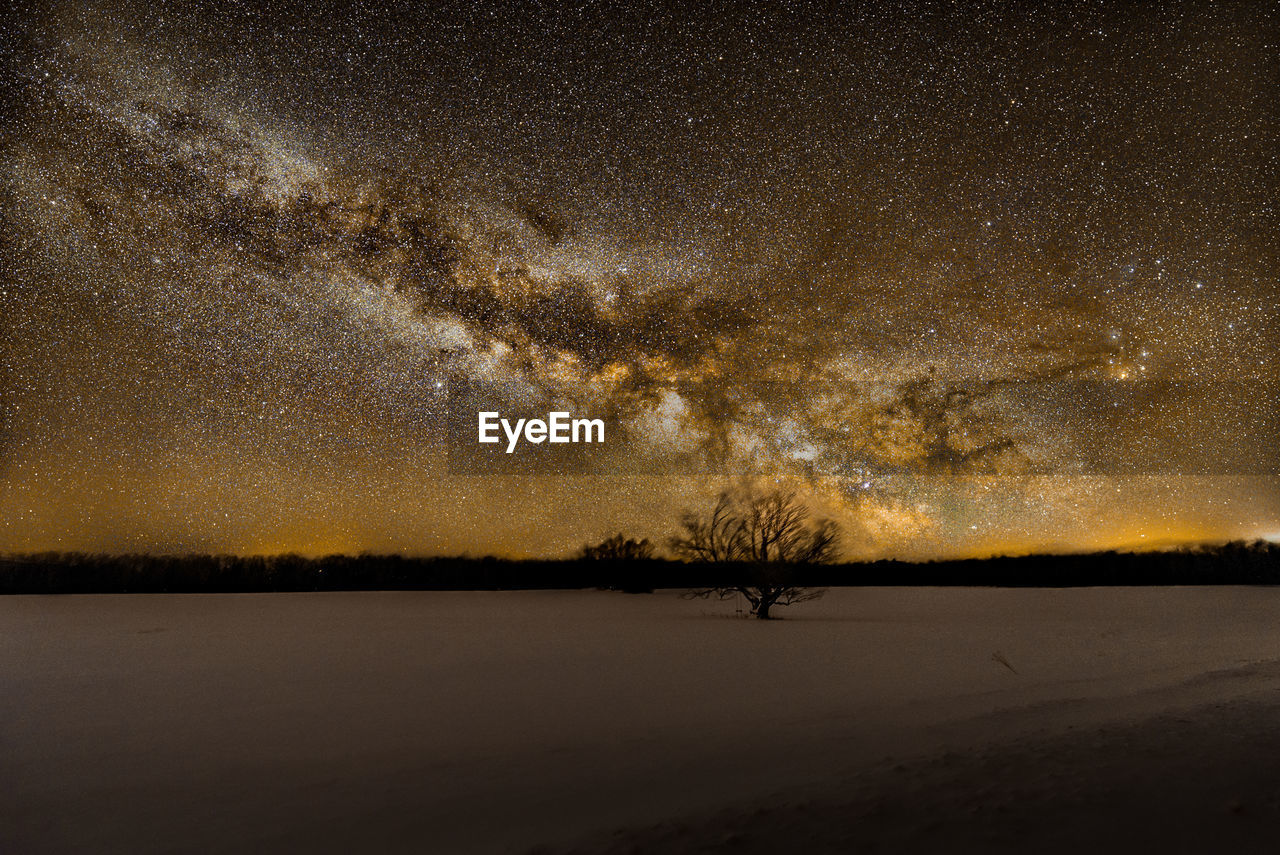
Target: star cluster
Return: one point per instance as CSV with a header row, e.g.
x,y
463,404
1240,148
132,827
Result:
x,y
974,278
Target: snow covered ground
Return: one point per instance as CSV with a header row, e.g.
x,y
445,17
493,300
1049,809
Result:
x,y
595,721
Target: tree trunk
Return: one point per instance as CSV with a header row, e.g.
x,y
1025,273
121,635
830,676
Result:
x,y
762,610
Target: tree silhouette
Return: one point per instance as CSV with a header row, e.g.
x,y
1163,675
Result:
x,y
618,548
715,538
771,534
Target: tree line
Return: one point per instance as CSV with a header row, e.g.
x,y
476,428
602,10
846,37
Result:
x,y
1241,563
765,546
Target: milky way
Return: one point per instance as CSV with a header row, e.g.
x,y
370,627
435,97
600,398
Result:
x,y
974,280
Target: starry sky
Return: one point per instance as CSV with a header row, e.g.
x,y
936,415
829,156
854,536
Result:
x,y
974,278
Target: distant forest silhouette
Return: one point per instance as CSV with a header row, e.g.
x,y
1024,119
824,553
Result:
x,y
1239,563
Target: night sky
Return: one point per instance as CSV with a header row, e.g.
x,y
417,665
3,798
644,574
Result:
x,y
971,277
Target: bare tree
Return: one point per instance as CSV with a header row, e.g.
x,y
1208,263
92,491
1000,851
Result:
x,y
618,548
715,538
770,533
